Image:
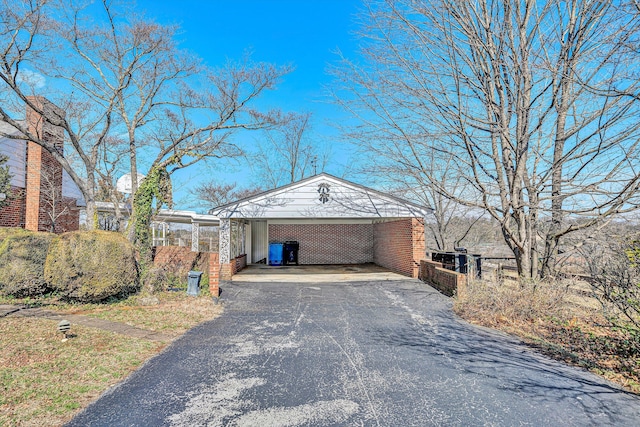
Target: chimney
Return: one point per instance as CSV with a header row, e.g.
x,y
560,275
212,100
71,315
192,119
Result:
x,y
44,172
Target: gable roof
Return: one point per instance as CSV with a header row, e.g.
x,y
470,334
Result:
x,y
321,196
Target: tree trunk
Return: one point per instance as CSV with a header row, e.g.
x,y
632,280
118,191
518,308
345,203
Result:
x,y
131,229
523,262
92,214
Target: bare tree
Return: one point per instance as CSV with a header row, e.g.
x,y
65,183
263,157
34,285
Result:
x,y
614,267
212,194
287,154
410,176
536,103
54,204
25,41
114,73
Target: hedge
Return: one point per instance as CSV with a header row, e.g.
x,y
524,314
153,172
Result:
x,y
22,258
91,266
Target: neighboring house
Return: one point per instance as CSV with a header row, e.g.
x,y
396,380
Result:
x,y
43,196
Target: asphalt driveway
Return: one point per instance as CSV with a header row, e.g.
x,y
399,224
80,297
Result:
x,y
370,353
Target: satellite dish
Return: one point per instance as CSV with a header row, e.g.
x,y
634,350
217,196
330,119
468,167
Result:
x,y
123,184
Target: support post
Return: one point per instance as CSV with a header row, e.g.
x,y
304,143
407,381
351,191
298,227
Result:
x,y
164,234
225,249
195,237
225,241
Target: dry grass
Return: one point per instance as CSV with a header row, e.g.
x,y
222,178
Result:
x,y
174,313
44,381
560,323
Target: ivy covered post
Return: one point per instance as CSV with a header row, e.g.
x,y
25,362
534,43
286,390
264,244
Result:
x,y
156,187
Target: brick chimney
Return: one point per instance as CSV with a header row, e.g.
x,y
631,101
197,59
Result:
x,y
44,173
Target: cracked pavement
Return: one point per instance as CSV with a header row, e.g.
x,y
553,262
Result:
x,y
372,353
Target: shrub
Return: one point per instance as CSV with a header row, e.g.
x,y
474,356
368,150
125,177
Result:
x,y
524,301
91,266
22,257
155,279
10,231
615,279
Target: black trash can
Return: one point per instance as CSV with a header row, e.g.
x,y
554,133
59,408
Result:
x,y
291,249
193,287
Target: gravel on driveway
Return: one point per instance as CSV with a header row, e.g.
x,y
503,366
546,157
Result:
x,y
369,353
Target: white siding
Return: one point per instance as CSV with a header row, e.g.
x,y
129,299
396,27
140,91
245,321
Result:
x,y
259,240
15,150
70,189
304,200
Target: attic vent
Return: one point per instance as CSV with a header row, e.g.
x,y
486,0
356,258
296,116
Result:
x,y
323,189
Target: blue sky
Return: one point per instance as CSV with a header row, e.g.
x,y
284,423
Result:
x,y
302,33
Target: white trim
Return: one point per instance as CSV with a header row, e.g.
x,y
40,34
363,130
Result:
x,y
166,215
294,221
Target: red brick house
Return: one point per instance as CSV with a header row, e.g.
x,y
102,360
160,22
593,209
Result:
x,y
43,197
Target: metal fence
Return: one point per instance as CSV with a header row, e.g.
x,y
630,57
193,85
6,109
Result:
x,y
460,261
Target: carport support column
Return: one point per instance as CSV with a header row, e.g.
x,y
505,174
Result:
x,y
195,237
225,249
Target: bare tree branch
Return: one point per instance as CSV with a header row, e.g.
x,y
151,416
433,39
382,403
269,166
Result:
x,y
534,105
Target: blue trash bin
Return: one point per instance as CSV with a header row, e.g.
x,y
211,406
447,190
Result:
x,y
276,252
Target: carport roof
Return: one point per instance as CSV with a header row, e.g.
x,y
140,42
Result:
x,y
321,196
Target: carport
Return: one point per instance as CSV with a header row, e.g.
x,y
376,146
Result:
x,y
335,222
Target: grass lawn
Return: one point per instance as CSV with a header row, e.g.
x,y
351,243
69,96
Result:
x,y
44,381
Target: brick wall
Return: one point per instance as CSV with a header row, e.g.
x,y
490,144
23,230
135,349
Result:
x,y
328,243
66,215
239,263
214,274
219,272
226,271
179,260
428,269
12,214
70,219
399,245
446,281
